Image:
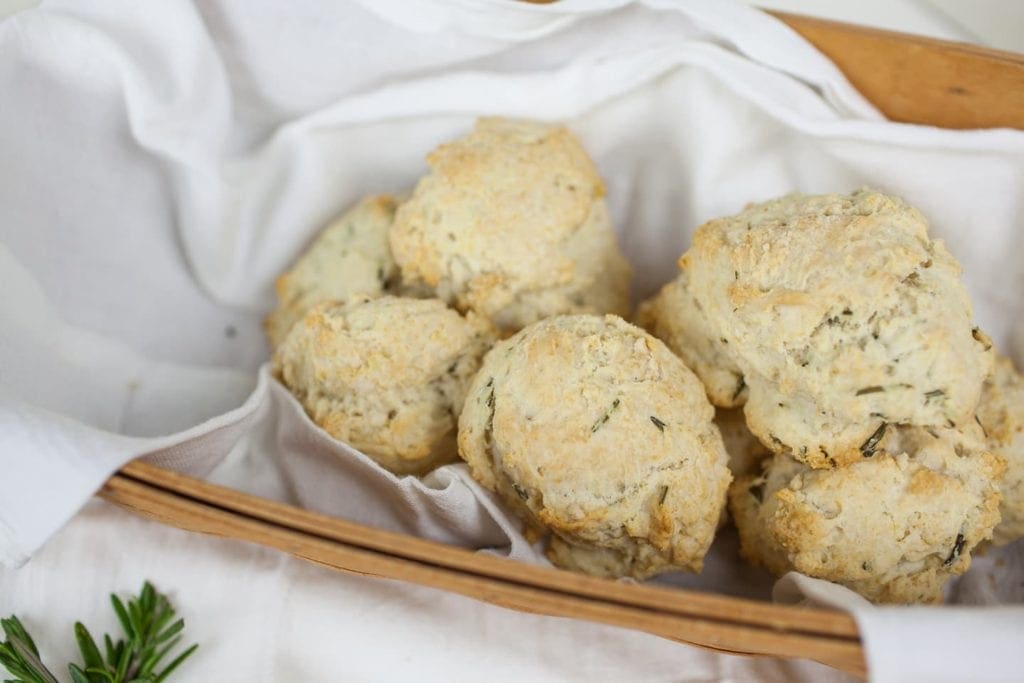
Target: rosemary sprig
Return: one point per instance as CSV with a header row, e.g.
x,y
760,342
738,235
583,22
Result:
x,y
150,630
19,655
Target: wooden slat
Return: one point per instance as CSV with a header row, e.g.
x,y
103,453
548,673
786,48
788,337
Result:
x,y
922,80
211,509
692,603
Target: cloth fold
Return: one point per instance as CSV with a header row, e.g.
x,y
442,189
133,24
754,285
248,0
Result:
x,y
163,165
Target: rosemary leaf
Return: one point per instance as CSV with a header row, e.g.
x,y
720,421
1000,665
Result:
x,y
604,418
90,653
174,664
868,448
77,675
958,547
984,431
122,614
19,655
172,631
148,641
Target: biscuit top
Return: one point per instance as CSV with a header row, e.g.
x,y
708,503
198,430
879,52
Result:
x,y
1001,415
370,345
387,375
584,391
843,312
350,256
602,433
487,223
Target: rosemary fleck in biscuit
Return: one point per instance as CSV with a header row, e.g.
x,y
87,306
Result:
x,y
388,375
511,223
894,527
1001,415
592,429
844,317
350,256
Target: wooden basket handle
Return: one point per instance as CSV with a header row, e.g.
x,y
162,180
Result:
x,y
720,623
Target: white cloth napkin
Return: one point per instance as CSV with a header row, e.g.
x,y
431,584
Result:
x,y
162,163
261,616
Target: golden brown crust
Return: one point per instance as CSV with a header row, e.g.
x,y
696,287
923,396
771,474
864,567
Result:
x,y
594,430
386,375
894,527
350,256
511,223
843,316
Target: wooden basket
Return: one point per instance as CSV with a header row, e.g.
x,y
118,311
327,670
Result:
x,y
908,78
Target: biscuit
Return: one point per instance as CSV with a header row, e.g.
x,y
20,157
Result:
x,y
511,223
674,316
350,256
844,316
592,429
387,375
894,527
746,453
1001,415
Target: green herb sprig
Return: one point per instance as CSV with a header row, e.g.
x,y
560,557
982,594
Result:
x,y
19,655
150,634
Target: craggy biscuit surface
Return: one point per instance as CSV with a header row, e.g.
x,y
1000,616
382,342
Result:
x,y
894,527
511,222
350,256
1001,415
386,375
674,316
591,428
843,316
